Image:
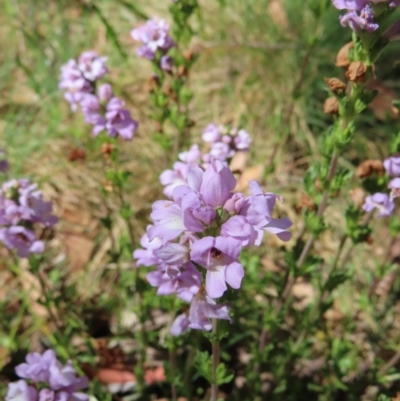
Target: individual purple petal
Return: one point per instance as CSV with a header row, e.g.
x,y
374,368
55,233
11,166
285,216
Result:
x,y
105,92
349,4
279,228
394,185
173,254
180,325
166,63
211,134
218,183
362,22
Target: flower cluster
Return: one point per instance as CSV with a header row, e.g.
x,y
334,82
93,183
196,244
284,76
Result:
x,y
382,201
21,207
101,109
155,39
360,15
46,379
225,142
205,226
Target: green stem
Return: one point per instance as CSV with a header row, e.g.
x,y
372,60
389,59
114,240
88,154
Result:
x,y
215,361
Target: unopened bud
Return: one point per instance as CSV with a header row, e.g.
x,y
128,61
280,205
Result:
x,y
331,106
335,85
357,71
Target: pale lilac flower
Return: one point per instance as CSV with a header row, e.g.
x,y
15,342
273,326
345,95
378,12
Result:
x,y
211,133
220,257
20,391
394,185
154,36
173,254
119,120
146,256
362,22
22,240
392,165
380,201
166,63
184,281
92,66
61,381
221,151
168,221
203,309
350,4
242,140
180,325
105,92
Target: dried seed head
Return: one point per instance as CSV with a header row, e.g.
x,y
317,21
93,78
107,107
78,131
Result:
x,y
358,197
342,58
369,167
188,55
357,71
152,83
335,85
182,71
331,106
107,149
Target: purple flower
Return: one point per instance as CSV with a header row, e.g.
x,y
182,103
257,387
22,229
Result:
x,y
154,36
356,5
180,325
37,366
211,134
47,370
217,184
74,84
220,257
392,165
362,22
394,185
380,201
242,140
92,66
147,257
203,308
20,391
105,92
166,63
184,281
119,120
22,240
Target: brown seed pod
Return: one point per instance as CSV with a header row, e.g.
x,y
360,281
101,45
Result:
x,y
335,85
331,106
357,71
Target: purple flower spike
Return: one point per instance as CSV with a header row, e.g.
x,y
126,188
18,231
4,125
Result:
x,y
392,165
380,201
220,257
203,308
20,391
